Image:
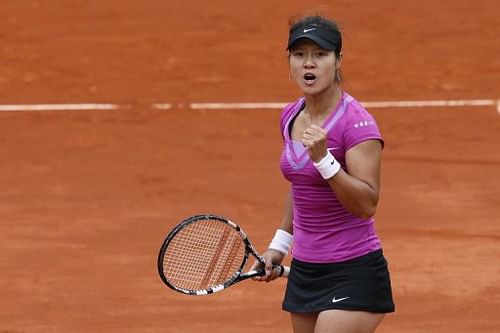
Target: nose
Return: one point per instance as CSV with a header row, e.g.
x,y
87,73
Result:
x,y
309,61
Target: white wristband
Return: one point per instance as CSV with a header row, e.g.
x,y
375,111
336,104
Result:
x,y
328,166
282,241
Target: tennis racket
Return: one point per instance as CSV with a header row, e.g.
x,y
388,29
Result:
x,y
205,254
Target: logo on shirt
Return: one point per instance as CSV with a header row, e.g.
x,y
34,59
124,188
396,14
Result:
x,y
364,123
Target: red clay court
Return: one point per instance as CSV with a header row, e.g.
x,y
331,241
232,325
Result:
x,y
88,196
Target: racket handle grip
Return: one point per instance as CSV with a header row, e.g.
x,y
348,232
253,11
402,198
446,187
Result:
x,y
284,271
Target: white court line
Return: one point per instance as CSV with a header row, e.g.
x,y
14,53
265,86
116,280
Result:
x,y
237,106
381,104
57,107
223,106
162,106
431,103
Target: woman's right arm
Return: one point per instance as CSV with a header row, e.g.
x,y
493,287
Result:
x,y
287,221
273,256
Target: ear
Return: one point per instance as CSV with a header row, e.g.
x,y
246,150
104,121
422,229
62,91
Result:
x,y
338,61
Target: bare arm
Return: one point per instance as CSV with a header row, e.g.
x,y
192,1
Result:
x,y
358,188
287,220
271,256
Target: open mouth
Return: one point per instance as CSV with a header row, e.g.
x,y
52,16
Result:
x,y
309,78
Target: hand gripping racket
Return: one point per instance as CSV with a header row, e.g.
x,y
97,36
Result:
x,y
205,254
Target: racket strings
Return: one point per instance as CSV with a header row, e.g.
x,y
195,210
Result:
x,y
218,272
203,254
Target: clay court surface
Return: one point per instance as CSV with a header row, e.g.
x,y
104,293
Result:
x,y
88,196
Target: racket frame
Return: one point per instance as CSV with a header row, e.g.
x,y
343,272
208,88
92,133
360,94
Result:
x,y
236,277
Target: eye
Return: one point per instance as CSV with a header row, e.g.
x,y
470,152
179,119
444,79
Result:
x,y
298,53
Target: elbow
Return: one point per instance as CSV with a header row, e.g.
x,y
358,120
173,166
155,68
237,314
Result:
x,y
364,206
364,212
367,211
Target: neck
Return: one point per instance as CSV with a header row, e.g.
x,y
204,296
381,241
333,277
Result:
x,y
321,104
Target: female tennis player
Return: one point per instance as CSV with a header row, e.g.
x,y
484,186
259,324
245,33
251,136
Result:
x,y
339,279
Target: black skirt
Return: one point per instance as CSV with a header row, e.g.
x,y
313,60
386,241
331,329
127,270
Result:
x,y
360,284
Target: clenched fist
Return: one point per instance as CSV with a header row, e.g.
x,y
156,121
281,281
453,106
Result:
x,y
314,139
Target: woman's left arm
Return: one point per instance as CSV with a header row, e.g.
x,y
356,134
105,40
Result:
x,y
358,188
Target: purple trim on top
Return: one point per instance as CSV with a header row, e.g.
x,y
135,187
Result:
x,y
346,99
286,130
296,155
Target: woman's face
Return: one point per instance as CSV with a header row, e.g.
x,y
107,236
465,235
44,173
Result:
x,y
311,67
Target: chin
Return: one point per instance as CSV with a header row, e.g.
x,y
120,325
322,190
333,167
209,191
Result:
x,y
311,90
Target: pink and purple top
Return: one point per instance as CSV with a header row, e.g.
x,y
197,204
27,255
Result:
x,y
323,230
